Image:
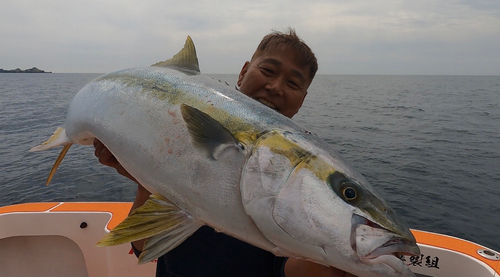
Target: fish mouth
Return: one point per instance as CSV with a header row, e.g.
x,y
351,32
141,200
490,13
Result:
x,y
375,244
268,104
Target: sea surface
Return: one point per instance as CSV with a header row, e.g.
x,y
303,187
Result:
x,y
429,144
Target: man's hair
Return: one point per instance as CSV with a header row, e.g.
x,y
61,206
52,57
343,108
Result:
x,y
281,40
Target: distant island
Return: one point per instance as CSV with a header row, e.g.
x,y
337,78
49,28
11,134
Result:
x,y
18,70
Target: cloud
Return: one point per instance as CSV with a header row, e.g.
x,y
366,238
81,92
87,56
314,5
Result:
x,y
348,37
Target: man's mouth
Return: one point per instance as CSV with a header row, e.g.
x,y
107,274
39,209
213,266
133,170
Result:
x,y
268,104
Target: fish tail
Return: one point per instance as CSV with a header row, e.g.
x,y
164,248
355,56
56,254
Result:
x,y
163,224
57,139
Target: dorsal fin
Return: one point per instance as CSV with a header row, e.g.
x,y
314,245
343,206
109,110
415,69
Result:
x,y
186,58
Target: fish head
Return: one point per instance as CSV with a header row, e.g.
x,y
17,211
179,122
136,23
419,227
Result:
x,y
313,205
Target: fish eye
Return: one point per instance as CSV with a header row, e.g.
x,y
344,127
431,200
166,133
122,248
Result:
x,y
346,189
349,193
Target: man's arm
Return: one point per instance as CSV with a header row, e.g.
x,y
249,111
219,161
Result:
x,y
303,268
106,158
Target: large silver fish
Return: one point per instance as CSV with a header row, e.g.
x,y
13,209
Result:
x,y
213,156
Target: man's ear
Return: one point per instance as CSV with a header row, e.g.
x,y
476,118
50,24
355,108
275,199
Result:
x,y
243,71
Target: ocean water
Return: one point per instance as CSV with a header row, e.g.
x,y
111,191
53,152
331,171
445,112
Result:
x,y
429,144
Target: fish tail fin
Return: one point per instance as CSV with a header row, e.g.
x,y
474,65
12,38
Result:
x,y
163,224
57,139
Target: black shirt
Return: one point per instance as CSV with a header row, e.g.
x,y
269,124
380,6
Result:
x,y
208,253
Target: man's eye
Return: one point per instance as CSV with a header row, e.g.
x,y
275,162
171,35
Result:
x,y
266,70
294,85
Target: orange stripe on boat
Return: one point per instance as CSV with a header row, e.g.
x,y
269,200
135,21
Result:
x,y
28,207
119,210
454,244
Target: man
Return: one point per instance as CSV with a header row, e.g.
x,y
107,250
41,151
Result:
x,y
278,76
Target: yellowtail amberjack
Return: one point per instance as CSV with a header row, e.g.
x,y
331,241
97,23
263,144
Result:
x,y
211,155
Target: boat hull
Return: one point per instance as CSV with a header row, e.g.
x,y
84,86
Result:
x,y
59,240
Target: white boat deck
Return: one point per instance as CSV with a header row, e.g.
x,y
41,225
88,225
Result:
x,y
58,239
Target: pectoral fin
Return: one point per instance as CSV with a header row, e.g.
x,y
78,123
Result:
x,y
207,133
57,139
58,162
163,224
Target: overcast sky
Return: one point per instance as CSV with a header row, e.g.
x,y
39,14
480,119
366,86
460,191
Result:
x,y
450,37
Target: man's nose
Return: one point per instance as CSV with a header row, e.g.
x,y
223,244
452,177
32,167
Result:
x,y
275,86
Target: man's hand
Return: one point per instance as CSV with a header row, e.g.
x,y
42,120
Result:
x,y
106,158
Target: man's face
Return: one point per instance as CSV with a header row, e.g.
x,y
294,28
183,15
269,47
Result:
x,y
276,80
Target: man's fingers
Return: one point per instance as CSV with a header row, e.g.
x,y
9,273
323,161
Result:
x,y
106,158
98,145
104,155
